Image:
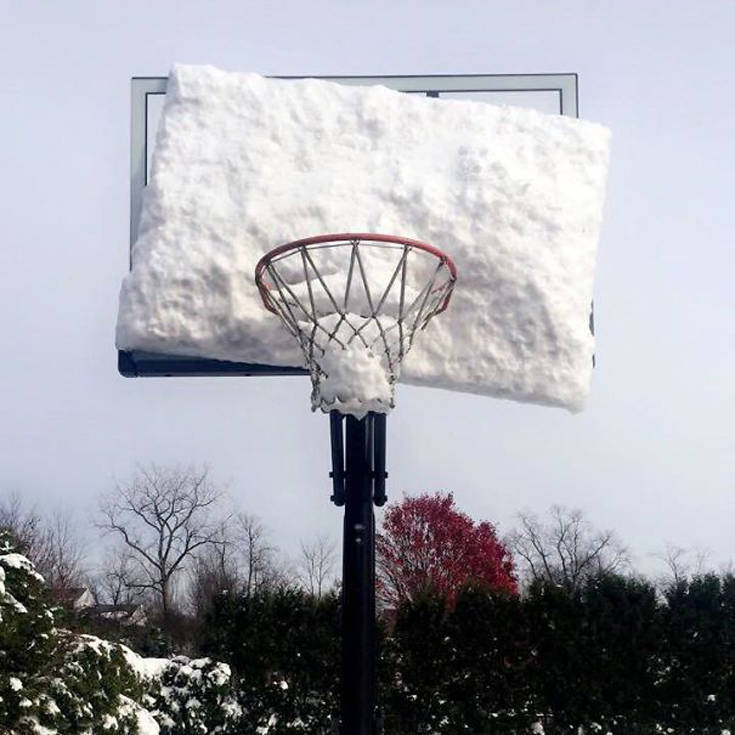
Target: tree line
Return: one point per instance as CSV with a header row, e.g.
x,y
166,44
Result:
x,y
170,541
546,630
613,655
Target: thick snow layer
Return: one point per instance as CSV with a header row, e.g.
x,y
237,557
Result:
x,y
243,164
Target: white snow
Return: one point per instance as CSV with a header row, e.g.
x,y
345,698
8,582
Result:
x,y
5,596
243,164
147,725
38,729
146,668
354,381
220,674
50,707
109,722
18,561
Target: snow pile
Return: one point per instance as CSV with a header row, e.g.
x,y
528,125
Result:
x,y
354,381
243,164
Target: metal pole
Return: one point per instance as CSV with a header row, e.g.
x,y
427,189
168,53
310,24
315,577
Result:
x,y
358,458
358,581
358,480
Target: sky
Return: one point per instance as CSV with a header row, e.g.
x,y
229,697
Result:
x,y
651,456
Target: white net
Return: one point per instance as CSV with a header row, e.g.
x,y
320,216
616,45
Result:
x,y
355,303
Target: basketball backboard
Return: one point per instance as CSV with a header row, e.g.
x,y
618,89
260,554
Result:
x,y
548,93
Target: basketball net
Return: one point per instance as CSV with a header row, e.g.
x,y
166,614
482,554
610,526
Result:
x,y
355,303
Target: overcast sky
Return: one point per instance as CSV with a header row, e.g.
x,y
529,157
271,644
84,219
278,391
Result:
x,y
651,457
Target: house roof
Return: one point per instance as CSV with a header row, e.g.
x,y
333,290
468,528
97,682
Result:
x,y
68,594
102,609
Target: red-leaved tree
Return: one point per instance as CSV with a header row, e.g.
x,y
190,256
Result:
x,y
427,543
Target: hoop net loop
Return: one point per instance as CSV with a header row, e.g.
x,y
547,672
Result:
x,y
355,302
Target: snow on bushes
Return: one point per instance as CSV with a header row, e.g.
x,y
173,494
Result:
x,y
53,681
193,696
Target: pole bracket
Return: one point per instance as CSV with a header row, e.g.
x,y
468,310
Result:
x,y
376,435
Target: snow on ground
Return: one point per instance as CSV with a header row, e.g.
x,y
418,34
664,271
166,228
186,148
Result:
x,y
243,164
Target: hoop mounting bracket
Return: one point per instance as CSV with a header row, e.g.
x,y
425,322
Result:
x,y
376,437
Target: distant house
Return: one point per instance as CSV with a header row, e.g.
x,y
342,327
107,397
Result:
x,y
80,600
73,598
122,614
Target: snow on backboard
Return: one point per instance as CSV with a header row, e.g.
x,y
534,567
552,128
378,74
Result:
x,y
549,93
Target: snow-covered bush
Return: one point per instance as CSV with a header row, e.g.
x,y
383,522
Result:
x,y
53,681
284,646
193,696
26,644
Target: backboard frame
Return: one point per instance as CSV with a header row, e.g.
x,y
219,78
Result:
x,y
146,364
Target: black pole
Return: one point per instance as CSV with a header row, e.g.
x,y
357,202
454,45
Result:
x,y
362,446
358,583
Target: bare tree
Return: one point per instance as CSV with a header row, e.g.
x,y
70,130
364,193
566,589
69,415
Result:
x,y
118,581
163,516
677,566
215,569
242,561
53,545
61,565
565,549
316,565
206,582
682,563
27,528
258,555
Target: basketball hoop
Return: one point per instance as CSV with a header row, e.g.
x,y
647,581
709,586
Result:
x,y
354,302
